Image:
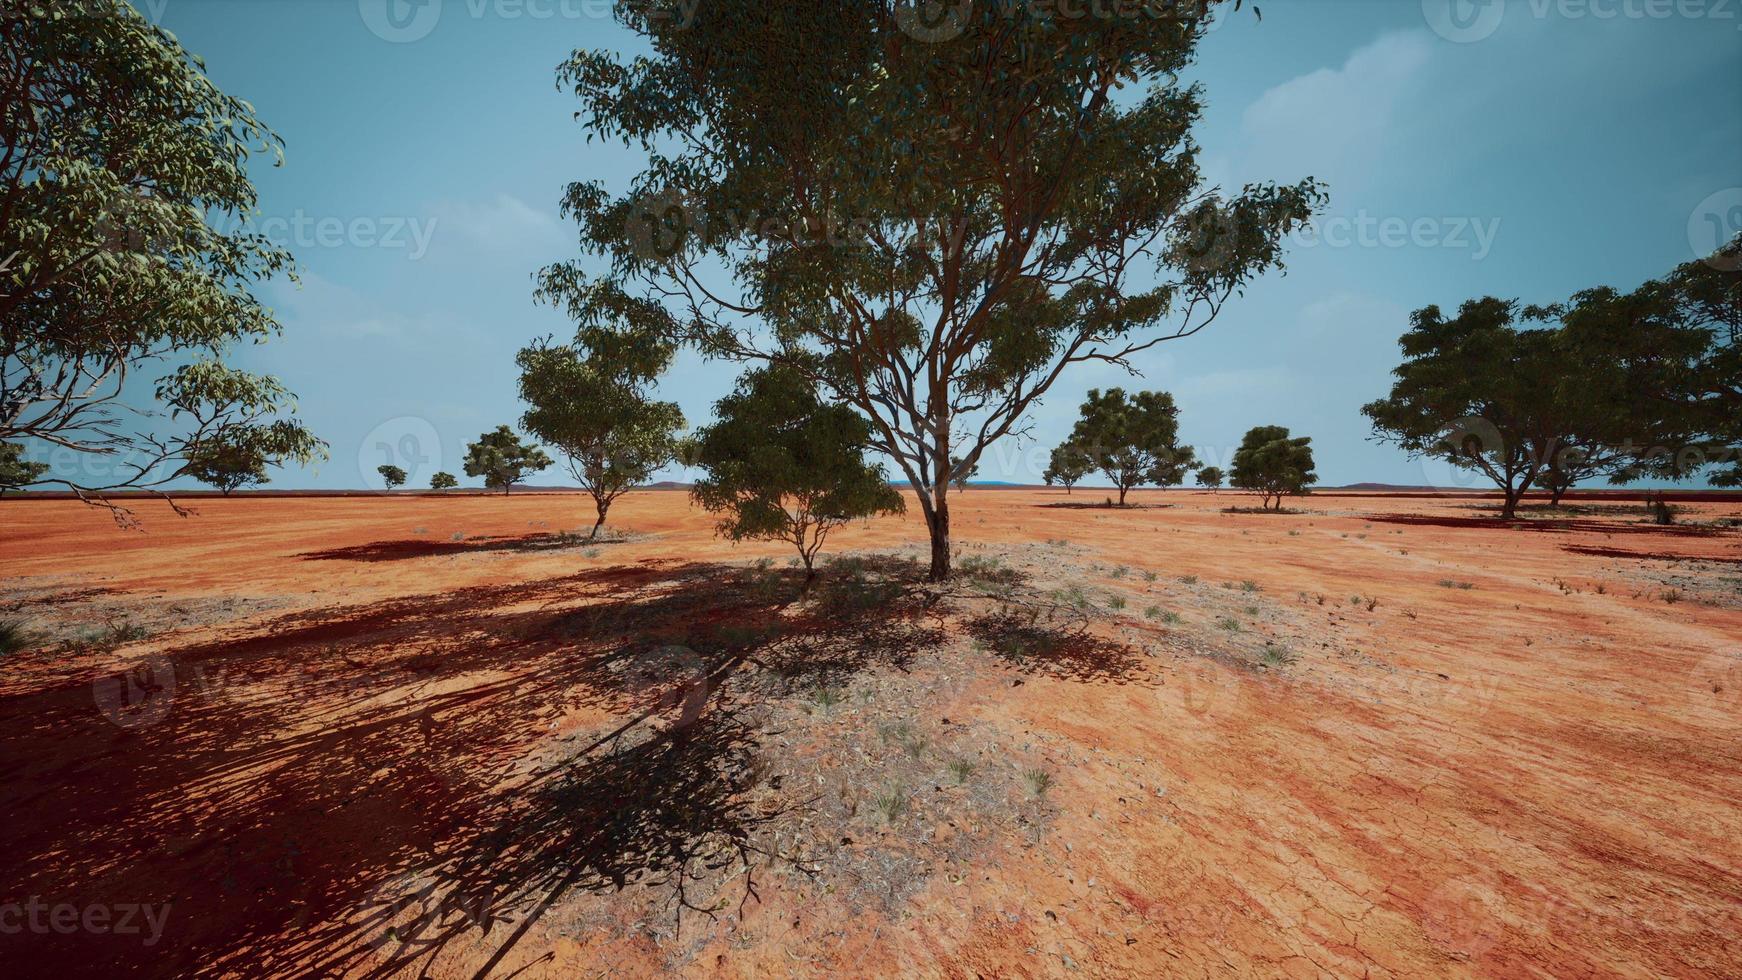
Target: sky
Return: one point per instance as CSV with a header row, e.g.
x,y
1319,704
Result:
x,y
1519,148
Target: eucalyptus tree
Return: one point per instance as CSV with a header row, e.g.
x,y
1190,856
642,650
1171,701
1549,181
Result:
x,y
502,459
391,476
1133,440
15,470
124,194
1067,466
592,400
932,220
781,463
443,481
1274,463
1477,392
1211,477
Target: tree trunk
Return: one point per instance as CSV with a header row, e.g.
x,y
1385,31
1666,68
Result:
x,y
602,508
1121,496
1509,512
1555,494
939,525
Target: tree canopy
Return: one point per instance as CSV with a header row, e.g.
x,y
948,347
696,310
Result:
x,y
123,186
15,470
592,401
502,459
443,481
931,228
1132,441
1211,477
392,476
1067,465
784,464
1274,464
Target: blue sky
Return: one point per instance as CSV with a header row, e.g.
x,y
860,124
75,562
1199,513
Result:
x,y
1528,148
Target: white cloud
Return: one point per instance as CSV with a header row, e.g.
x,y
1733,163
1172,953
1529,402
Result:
x,y
1326,121
504,224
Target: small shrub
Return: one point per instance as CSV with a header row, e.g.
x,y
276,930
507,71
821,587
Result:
x,y
1249,586
1038,780
1672,596
1153,612
1276,656
1116,602
826,697
1150,576
1229,623
892,804
961,769
1446,583
13,635
1251,610
1188,579
1170,618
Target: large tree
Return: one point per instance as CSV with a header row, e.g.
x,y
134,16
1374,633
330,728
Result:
x,y
592,401
1273,463
123,188
783,463
933,225
502,459
1133,440
1478,392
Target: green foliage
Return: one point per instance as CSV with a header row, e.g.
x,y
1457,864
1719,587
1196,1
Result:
x,y
783,464
391,475
1273,464
443,481
502,459
1211,477
228,462
592,401
14,635
124,167
1069,464
1132,441
932,232
15,470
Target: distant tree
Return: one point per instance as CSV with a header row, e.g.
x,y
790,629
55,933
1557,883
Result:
x,y
1479,393
1069,464
1132,441
1212,477
391,475
443,481
502,459
15,470
122,251
592,401
961,472
782,463
1271,463
944,228
227,463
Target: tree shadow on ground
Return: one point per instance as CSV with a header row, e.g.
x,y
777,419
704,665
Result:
x,y
409,548
1548,525
284,792
1034,644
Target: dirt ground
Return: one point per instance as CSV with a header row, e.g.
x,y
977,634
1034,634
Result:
x,y
440,736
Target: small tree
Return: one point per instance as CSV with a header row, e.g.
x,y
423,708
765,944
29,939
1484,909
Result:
x,y
15,470
1211,477
502,459
443,481
783,464
1133,441
1068,465
592,402
1273,464
226,463
391,475
961,472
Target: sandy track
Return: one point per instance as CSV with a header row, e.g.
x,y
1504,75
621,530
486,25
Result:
x,y
1427,745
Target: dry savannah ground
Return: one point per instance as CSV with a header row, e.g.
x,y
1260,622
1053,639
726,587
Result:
x,y
437,736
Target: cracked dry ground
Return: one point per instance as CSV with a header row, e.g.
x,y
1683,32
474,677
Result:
x,y
430,736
